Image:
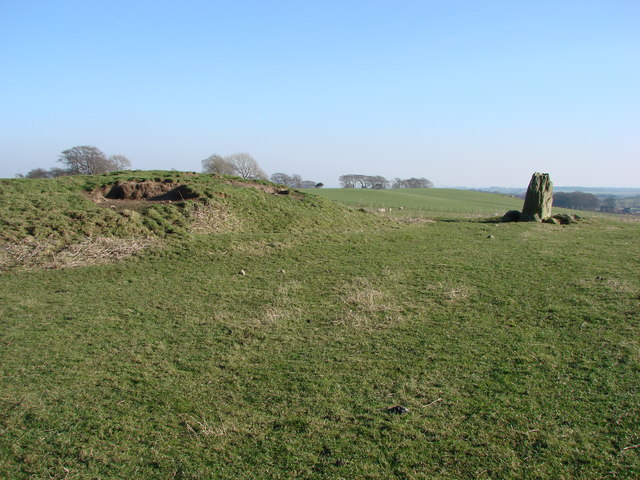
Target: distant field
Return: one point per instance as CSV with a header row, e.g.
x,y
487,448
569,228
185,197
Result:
x,y
436,201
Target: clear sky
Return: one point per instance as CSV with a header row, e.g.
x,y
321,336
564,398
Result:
x,y
462,92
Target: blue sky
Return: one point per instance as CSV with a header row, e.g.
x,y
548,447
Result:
x,y
469,93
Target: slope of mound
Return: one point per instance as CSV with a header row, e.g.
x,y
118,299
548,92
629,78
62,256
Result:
x,y
47,217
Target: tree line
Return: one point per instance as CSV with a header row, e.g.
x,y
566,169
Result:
x,y
576,200
353,180
81,160
245,166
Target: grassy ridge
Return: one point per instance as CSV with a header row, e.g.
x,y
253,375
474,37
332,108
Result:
x,y
514,347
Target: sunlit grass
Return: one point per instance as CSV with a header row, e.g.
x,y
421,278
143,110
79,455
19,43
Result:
x,y
516,356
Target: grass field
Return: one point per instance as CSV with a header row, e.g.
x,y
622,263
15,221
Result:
x,y
425,201
514,347
435,202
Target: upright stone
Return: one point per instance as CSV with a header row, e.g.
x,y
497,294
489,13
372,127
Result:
x,y
539,199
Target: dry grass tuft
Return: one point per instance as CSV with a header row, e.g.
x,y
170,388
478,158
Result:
x,y
366,303
214,219
452,293
46,254
416,220
202,428
360,294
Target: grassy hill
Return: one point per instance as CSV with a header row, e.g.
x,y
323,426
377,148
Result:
x,y
273,340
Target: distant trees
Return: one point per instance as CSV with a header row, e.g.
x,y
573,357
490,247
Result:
x,y
576,200
38,173
239,164
355,180
81,160
88,160
378,182
412,183
294,181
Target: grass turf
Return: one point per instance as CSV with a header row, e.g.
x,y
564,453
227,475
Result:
x,y
517,356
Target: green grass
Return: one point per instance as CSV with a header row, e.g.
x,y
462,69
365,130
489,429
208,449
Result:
x,y
429,202
433,201
517,356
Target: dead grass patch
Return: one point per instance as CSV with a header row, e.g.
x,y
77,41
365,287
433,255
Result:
x,y
366,304
213,219
47,254
414,220
202,428
450,292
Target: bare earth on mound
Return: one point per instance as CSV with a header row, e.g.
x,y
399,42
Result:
x,y
168,191
145,190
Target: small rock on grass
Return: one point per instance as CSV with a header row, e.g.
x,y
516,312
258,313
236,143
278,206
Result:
x,y
398,409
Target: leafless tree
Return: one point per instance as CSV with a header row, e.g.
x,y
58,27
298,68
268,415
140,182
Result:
x,y
246,166
239,164
217,164
281,178
293,181
347,181
85,160
296,180
120,162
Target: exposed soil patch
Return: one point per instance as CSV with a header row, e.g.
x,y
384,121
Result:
x,y
148,190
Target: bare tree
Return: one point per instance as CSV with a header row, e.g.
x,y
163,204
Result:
x,y
119,162
293,181
85,160
281,178
246,166
239,164
296,180
217,164
347,181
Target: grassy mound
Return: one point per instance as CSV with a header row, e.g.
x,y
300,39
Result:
x,y
46,221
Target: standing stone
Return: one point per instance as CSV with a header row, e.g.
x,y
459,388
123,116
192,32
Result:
x,y
539,199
